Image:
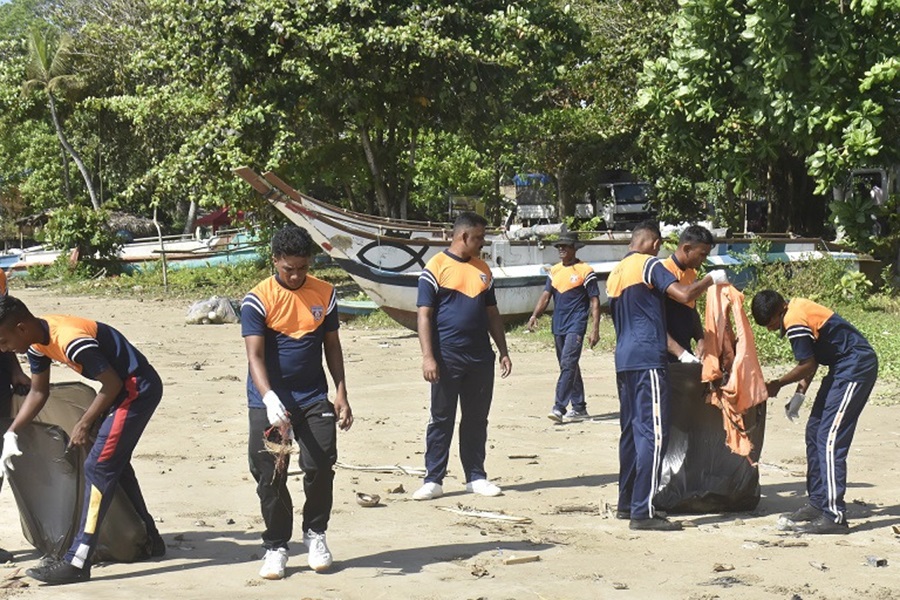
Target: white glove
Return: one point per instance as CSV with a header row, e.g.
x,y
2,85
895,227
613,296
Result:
x,y
275,409
10,449
687,357
792,407
719,277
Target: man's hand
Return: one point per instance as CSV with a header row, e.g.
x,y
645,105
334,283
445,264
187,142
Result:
x,y
81,434
532,323
593,338
773,387
792,407
505,366
275,409
10,449
430,370
21,382
344,413
688,358
719,277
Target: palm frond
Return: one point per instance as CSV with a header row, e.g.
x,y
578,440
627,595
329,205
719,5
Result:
x,y
38,66
61,62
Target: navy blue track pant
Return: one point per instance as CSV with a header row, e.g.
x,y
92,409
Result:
x,y
109,463
829,432
569,386
472,385
644,420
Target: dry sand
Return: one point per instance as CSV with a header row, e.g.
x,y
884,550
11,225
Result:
x,y
193,468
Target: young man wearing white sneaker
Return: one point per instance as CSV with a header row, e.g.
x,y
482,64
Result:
x,y
288,321
457,310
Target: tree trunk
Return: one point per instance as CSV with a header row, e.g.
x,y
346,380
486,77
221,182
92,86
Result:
x,y
564,198
404,197
381,192
65,170
796,208
191,215
75,156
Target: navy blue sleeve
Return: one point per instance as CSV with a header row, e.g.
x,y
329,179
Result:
x,y
332,322
657,276
548,287
86,352
802,340
253,316
428,289
37,361
590,285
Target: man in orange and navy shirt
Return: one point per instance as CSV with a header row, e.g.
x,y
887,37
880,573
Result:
x,y
457,310
682,320
130,391
637,289
572,285
288,321
818,335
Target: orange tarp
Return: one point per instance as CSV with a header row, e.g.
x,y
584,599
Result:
x,y
731,364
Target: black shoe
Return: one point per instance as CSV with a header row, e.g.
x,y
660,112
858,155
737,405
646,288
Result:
x,y
623,515
654,524
5,556
59,573
157,546
807,512
823,525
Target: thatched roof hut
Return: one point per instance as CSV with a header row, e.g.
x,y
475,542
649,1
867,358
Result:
x,y
137,226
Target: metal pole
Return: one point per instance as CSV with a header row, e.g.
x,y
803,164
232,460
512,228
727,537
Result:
x,y
162,251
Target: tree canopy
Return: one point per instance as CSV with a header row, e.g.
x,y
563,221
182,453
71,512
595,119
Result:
x,y
388,107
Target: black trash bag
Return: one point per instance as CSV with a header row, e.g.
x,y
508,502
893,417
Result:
x,y
700,474
48,486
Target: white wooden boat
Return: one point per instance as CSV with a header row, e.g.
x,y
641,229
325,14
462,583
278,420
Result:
x,y
387,267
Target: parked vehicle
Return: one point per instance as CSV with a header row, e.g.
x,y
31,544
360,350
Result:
x,y
623,205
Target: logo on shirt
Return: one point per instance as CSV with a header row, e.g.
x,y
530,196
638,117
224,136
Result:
x,y
317,312
573,278
483,278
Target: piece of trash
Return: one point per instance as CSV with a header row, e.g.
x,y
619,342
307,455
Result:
x,y
483,514
721,568
367,500
479,571
784,524
818,565
518,456
395,488
518,560
576,508
895,529
415,471
617,585
875,561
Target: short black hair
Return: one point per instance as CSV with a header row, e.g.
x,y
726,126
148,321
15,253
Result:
x,y
649,226
696,234
766,305
13,308
467,220
292,241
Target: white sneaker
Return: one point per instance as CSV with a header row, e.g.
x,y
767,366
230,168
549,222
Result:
x,y
319,557
274,563
429,491
483,487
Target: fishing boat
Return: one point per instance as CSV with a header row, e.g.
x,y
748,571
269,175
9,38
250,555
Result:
x,y
226,246
387,267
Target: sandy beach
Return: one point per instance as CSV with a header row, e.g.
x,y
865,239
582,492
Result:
x,y
192,465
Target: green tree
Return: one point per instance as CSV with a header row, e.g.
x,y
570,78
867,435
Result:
x,y
50,70
779,97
